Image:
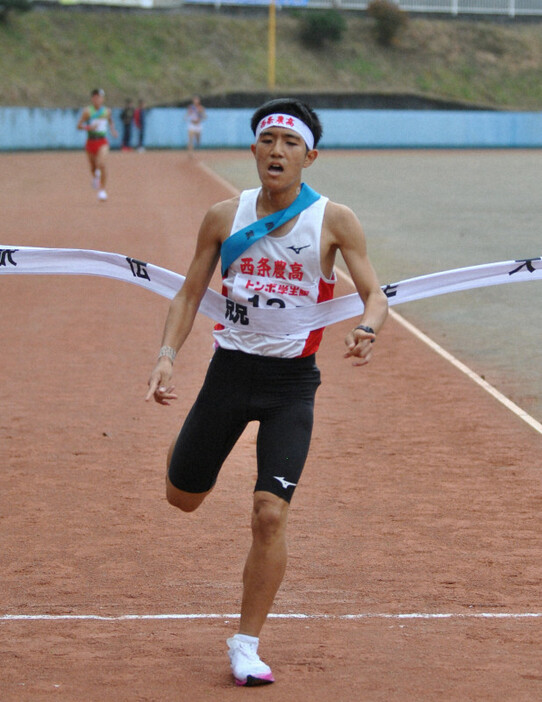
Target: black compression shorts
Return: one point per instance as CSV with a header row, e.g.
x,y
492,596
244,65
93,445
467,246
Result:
x,y
240,388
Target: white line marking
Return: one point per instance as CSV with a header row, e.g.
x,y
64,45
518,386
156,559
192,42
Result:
x,y
521,413
204,167
292,615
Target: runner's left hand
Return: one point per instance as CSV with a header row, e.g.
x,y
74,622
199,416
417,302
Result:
x,y
359,345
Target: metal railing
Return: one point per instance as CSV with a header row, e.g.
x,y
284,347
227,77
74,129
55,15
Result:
x,y
510,8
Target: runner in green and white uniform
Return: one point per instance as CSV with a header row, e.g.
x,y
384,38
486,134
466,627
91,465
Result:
x,y
95,120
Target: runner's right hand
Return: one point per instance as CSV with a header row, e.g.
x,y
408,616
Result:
x,y
160,386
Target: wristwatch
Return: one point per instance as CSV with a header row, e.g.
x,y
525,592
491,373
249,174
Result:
x,y
367,329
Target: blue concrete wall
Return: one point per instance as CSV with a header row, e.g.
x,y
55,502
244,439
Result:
x,y
36,128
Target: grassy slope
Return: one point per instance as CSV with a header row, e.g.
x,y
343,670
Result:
x,y
53,58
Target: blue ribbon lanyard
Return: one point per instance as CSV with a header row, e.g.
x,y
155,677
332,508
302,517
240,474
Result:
x,y
236,244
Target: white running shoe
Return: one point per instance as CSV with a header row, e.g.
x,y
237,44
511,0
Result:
x,y
96,179
246,666
102,196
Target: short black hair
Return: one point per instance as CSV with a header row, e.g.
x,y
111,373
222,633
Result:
x,y
98,91
289,106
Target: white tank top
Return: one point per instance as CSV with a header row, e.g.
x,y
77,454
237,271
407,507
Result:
x,y
281,271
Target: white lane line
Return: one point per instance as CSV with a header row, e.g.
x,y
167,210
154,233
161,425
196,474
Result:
x,y
225,183
518,411
292,615
521,413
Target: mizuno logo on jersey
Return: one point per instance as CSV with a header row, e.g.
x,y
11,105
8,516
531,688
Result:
x,y
298,249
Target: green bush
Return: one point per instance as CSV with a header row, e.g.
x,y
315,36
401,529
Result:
x,y
319,26
390,19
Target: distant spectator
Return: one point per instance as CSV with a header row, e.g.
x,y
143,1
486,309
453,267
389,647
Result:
x,y
139,121
195,115
127,117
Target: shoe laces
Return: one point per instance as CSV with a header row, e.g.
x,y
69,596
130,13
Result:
x,y
248,651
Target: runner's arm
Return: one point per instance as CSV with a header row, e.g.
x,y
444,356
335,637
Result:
x,y
185,304
85,115
350,240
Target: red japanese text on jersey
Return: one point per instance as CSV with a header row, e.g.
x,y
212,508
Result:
x,y
258,285
264,268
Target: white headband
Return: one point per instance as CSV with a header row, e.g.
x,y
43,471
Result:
x,y
288,122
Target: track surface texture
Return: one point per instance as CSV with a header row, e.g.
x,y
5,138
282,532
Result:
x,y
421,494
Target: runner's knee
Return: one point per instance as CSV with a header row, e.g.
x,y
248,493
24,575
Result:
x,y
269,517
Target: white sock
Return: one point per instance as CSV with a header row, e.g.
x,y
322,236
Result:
x,y
245,638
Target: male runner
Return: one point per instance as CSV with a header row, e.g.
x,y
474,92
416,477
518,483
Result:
x,y
94,120
263,377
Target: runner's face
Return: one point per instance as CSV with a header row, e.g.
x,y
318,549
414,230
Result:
x,y
281,154
97,101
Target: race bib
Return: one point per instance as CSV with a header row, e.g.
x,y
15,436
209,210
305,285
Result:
x,y
99,125
270,292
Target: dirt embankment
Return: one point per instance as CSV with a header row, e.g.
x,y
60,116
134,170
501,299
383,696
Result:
x,y
53,57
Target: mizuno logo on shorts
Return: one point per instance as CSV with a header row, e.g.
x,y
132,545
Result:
x,y
285,484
